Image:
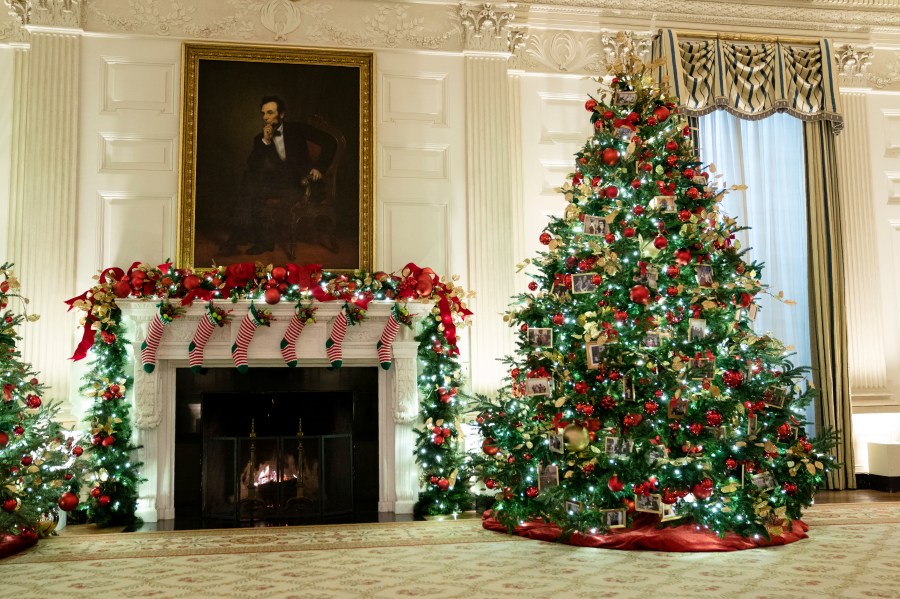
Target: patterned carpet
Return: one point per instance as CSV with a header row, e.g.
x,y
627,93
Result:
x,y
853,551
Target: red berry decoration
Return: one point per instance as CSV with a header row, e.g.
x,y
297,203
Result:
x,y
610,156
640,294
733,378
660,242
703,489
651,407
68,501
713,418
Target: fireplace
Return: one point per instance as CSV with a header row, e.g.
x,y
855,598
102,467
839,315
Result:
x,y
158,413
276,445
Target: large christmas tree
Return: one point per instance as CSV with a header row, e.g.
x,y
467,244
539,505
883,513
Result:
x,y
37,460
640,384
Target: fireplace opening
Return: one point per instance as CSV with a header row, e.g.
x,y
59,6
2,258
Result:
x,y
276,446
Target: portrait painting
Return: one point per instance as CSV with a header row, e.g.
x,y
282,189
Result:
x,y
277,158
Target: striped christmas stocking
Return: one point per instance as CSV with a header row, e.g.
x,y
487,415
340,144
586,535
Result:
x,y
151,343
248,327
198,343
386,342
289,341
334,345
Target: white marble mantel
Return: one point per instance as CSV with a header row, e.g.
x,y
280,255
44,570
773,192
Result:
x,y
153,395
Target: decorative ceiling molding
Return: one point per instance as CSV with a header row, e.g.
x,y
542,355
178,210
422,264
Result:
x,y
489,27
579,52
48,13
854,64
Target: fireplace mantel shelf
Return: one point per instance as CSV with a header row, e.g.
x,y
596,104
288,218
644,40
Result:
x,y
153,395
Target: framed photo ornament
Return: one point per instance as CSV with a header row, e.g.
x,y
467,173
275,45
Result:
x,y
276,156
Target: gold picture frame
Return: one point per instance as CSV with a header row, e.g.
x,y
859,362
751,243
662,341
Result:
x,y
322,209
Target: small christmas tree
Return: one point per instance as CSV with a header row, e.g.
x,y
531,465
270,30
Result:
x,y
37,466
114,473
640,384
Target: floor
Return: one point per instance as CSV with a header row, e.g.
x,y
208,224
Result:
x,y
822,497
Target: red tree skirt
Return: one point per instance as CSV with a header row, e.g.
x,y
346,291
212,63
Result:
x,y
12,544
644,535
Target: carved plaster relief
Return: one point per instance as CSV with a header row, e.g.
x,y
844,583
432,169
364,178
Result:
x,y
856,67
579,52
50,13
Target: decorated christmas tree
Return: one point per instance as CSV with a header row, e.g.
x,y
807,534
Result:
x,y
38,472
641,391
113,472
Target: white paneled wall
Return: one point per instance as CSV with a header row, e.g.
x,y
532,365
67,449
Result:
x,y
129,149
555,126
420,162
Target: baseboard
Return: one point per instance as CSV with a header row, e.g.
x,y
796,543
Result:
x,y
877,482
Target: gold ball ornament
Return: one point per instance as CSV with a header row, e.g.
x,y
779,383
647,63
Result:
x,y
576,437
47,524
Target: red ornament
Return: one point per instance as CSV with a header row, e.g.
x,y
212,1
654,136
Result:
x,y
96,492
784,432
488,447
636,184
640,294
684,215
68,501
10,504
632,419
190,282
545,238
531,492
683,256
672,291
610,156
660,242
638,210
609,238
692,192
581,387
713,418
731,463
661,113
611,192
614,484
789,488
107,441
104,500
688,173
671,159
26,460
122,289
651,121
628,232
608,115
596,279
279,273
673,271
651,407
671,145
4,438
443,484
703,489
77,450
273,296
590,105
733,378
33,401
532,286
490,483
558,319
686,131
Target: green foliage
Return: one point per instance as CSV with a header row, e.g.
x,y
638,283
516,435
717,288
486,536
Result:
x,y
36,461
661,391
114,479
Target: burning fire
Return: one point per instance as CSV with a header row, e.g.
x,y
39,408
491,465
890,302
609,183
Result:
x,y
268,473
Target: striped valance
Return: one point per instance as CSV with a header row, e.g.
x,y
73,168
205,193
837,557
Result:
x,y
750,79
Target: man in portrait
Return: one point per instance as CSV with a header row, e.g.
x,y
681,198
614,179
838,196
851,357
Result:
x,y
285,167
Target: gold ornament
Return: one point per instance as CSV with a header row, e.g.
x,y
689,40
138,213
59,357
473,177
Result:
x,y
47,524
576,437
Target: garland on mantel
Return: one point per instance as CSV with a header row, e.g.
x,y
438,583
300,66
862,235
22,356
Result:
x,y
439,451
